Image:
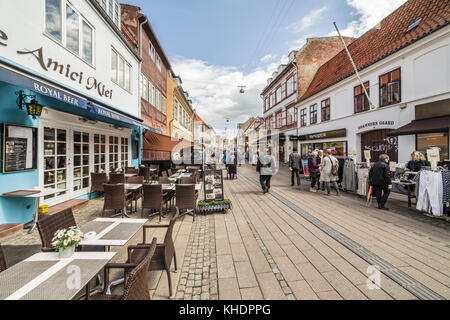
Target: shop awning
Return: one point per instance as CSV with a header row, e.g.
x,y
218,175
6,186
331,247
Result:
x,y
158,147
423,126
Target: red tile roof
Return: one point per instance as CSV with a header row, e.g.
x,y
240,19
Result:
x,y
198,119
383,40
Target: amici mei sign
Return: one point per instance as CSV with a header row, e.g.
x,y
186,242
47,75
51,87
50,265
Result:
x,y
51,64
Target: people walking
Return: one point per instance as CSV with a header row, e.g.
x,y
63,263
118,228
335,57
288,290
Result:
x,y
320,185
294,165
267,167
232,170
314,171
380,179
329,172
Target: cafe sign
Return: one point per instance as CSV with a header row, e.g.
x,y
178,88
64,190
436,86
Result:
x,y
324,135
374,124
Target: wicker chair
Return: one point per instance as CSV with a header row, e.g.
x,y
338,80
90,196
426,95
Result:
x,y
116,199
136,280
164,174
3,266
153,198
131,170
179,168
145,173
188,180
48,226
163,180
115,178
97,181
155,174
186,199
169,172
136,194
164,253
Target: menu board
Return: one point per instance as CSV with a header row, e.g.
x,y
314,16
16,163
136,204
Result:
x,y
213,182
19,148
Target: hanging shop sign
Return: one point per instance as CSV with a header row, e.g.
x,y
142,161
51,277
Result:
x,y
324,135
375,124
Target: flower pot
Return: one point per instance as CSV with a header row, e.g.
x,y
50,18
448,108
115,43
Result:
x,y
65,253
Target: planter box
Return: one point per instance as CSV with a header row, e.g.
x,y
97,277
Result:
x,y
209,209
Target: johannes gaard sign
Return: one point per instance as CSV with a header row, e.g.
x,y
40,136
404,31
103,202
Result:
x,y
374,124
53,65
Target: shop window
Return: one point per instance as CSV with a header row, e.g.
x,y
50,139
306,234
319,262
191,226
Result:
x,y
337,148
78,32
303,115
120,71
124,148
325,110
313,114
439,140
99,153
390,88
113,153
80,160
361,101
55,160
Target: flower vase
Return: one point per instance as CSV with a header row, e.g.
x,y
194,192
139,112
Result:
x,y
65,253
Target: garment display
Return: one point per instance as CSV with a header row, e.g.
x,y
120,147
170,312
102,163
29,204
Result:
x,y
446,186
363,181
349,178
430,194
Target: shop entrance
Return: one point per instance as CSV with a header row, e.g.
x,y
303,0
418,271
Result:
x,y
70,155
378,142
282,151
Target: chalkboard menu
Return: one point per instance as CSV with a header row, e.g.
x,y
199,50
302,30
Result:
x,y
213,182
19,148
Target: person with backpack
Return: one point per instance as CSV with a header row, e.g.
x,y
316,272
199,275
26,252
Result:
x,y
329,172
267,167
380,179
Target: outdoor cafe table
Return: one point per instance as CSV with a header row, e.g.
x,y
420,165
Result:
x,y
179,176
171,187
44,276
111,231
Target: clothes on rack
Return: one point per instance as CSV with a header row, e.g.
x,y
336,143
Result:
x,y
349,176
446,187
430,193
363,181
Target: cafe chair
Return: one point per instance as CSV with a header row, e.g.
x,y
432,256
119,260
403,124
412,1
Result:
x,y
185,199
2,260
48,226
117,199
179,168
97,181
138,193
170,172
164,174
131,170
115,178
135,274
145,173
164,253
155,174
163,180
154,199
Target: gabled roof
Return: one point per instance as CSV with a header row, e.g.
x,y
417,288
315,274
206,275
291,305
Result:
x,y
198,119
385,39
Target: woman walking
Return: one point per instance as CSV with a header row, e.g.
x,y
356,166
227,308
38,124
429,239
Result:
x,y
329,172
314,171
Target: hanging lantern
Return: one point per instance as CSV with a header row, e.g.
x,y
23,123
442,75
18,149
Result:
x,y
34,109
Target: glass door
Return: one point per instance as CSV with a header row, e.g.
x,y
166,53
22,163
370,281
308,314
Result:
x,y
55,162
99,153
81,161
124,152
113,153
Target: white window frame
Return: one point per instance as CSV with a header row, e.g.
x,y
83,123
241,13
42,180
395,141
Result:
x,y
119,57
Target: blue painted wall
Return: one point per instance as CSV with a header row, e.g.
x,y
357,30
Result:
x,y
19,210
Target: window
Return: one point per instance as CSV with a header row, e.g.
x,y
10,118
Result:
x,y
290,115
279,120
313,114
151,51
283,91
87,42
290,86
124,151
158,62
266,104
278,95
144,88
72,30
303,114
120,71
390,89
272,97
175,109
53,19
325,108
361,101
116,13
439,140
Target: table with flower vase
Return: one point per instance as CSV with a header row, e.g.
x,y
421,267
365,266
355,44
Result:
x,y
45,276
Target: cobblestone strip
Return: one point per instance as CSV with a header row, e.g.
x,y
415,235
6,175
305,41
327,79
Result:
x,y
274,267
198,280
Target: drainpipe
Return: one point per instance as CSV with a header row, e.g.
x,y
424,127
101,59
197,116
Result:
x,y
139,76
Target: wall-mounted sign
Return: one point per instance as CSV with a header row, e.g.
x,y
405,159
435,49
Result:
x,y
375,124
293,138
324,135
19,148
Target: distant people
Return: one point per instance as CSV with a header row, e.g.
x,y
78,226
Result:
x,y
329,172
232,170
380,179
294,166
314,171
320,185
417,162
267,165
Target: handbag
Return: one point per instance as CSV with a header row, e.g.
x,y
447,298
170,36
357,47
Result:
x,y
334,169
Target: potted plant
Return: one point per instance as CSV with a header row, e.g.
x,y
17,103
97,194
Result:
x,y
172,181
118,170
213,206
66,240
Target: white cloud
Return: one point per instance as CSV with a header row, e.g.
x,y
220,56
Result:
x,y
268,57
307,21
370,14
215,93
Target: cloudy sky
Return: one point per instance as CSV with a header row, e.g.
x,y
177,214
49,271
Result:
x,y
217,45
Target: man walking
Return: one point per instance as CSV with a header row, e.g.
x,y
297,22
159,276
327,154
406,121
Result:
x,y
294,165
267,170
380,179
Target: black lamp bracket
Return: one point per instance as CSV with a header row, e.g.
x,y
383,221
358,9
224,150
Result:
x,y
22,97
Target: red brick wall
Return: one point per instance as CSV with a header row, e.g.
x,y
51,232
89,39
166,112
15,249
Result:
x,y
313,55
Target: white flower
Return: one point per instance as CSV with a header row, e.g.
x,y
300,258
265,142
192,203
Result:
x,y
66,243
77,238
70,233
60,234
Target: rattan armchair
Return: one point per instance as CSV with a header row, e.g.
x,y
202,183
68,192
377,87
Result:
x,y
163,180
136,280
170,172
115,178
154,199
164,253
131,170
116,198
97,182
164,174
186,200
155,174
188,180
138,193
48,226
145,173
179,168
3,266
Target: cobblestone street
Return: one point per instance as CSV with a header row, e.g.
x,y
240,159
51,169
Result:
x,y
290,244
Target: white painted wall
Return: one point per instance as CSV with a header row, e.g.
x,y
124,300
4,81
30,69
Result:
x,y
425,77
23,21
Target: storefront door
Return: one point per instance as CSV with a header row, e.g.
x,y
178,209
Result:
x,y
378,142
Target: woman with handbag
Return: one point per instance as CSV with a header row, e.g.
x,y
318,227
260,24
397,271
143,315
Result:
x,y
329,172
